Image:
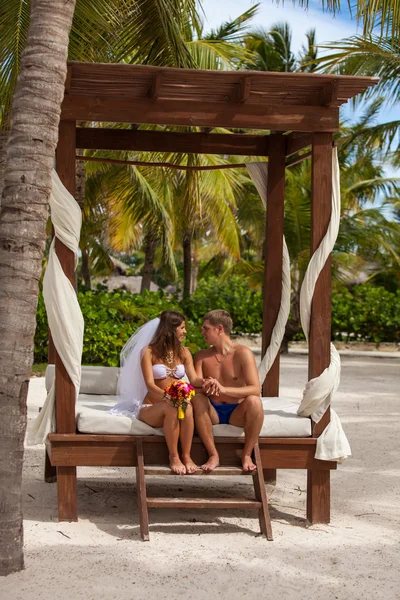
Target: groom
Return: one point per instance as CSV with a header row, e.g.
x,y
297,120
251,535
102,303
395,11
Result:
x,y
232,388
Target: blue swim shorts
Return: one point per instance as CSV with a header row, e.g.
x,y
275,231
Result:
x,y
224,411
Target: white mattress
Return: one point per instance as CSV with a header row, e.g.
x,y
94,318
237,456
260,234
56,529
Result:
x,y
280,419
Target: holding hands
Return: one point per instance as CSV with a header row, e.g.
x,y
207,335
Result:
x,y
213,387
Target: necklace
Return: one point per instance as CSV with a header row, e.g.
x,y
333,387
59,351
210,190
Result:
x,y
223,355
169,358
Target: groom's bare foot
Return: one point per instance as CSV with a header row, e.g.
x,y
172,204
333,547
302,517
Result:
x,y
248,464
190,466
212,463
177,465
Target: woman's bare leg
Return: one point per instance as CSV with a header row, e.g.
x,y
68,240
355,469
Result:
x,y
163,415
186,438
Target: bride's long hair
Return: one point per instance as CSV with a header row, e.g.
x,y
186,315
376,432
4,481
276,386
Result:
x,y
165,344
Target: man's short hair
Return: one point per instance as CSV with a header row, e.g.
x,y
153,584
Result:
x,y
220,317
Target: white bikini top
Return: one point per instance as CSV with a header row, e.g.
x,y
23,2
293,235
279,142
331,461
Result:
x,y
160,371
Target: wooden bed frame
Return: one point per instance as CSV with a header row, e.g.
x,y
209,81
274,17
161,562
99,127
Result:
x,y
65,452
302,110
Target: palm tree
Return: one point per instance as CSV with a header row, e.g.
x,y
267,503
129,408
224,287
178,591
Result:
x,y
165,208
32,140
270,50
207,198
133,203
29,161
308,53
213,50
205,203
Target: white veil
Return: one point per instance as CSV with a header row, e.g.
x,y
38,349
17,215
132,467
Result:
x,y
131,385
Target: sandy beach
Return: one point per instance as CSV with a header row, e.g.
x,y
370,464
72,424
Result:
x,y
216,554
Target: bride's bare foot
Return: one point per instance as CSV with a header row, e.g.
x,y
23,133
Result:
x,y
191,467
248,464
177,465
212,463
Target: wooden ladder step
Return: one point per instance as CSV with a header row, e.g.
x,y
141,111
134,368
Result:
x,y
260,503
202,503
233,471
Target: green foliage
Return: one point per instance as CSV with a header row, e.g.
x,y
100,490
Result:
x,y
110,319
366,313
41,333
244,304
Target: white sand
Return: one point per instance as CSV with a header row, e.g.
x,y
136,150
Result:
x,y
214,554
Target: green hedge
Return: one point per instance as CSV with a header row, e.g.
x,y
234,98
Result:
x,y
366,313
110,319
243,304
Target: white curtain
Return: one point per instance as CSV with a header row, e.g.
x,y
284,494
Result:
x,y
63,310
258,172
318,392
333,443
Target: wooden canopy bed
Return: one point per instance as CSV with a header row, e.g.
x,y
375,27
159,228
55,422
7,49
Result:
x,y
300,111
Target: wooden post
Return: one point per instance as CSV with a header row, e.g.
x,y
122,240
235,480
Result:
x,y
273,262
318,482
273,253
50,472
141,492
51,351
65,390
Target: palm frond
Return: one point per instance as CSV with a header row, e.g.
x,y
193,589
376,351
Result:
x,y
252,271
233,31
216,54
373,14
152,33
14,23
271,49
369,56
308,53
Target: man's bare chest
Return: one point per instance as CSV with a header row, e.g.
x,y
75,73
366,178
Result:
x,y
227,371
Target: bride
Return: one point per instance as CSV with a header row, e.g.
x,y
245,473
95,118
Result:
x,y
152,359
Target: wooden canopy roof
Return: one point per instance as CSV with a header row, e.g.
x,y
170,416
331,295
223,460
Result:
x,y
139,94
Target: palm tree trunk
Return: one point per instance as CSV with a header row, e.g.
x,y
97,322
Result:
x,y
85,269
187,263
30,154
3,142
195,273
293,326
80,198
80,181
149,253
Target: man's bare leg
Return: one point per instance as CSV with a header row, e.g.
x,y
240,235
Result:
x,y
186,438
249,415
205,417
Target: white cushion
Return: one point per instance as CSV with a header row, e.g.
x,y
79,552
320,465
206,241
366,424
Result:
x,y
92,416
95,380
280,419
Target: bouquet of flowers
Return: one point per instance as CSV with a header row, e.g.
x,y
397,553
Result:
x,y
179,394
